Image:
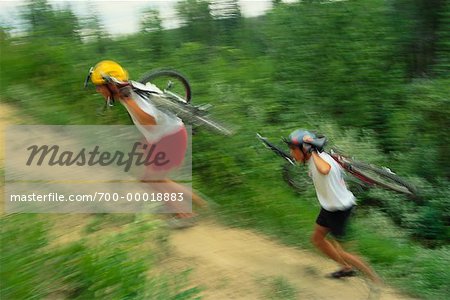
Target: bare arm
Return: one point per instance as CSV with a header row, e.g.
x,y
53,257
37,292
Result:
x,y
322,166
142,116
111,91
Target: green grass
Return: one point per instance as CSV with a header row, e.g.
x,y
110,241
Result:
x,y
112,265
23,238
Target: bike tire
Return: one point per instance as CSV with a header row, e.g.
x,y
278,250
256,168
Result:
x,y
296,177
191,115
299,181
383,178
158,76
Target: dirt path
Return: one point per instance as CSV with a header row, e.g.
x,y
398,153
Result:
x,y
231,263
8,116
234,263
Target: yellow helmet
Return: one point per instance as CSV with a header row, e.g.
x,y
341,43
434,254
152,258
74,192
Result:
x,y
108,67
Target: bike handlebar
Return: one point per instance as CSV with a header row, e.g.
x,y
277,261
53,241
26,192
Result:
x,y
275,149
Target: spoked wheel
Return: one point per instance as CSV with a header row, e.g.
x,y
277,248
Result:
x,y
296,177
384,178
355,185
177,100
171,82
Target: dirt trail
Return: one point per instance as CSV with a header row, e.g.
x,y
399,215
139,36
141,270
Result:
x,y
8,116
232,263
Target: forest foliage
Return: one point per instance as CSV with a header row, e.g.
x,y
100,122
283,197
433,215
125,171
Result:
x,y
377,68
374,76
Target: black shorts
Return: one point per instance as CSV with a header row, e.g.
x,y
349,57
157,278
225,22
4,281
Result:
x,y
335,221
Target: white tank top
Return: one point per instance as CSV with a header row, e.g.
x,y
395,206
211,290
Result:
x,y
331,189
168,123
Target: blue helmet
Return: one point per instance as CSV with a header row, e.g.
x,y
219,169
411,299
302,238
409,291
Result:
x,y
296,137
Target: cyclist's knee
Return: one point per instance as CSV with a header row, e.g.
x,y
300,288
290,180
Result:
x,y
317,238
319,235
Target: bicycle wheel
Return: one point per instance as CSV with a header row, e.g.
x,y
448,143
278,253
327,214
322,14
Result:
x,y
383,178
355,185
173,83
191,115
296,177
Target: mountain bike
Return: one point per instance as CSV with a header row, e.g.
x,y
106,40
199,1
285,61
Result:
x,y
176,96
360,175
170,91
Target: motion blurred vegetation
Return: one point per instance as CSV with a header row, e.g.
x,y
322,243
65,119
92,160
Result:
x,y
372,75
107,266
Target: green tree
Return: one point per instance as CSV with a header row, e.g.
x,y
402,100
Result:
x,y
152,32
442,65
337,59
419,22
228,18
42,21
38,15
66,25
94,32
4,34
197,22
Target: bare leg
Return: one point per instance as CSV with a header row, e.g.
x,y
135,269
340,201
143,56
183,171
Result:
x,y
356,262
334,251
319,240
169,186
197,200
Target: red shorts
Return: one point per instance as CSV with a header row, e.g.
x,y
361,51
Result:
x,y
172,148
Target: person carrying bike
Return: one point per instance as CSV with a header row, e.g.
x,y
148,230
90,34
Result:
x,y
336,202
169,136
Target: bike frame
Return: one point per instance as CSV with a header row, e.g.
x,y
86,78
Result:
x,y
195,115
365,175
347,166
344,162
